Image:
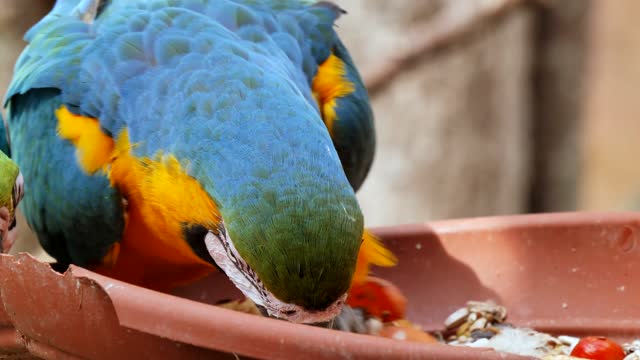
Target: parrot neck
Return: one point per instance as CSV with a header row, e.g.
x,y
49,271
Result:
x,y
161,189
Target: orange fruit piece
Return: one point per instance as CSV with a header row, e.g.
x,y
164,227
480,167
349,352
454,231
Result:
x,y
379,298
407,333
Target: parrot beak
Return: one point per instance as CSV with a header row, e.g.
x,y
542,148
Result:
x,y
324,324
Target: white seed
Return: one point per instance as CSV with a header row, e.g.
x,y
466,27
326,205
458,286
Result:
x,y
473,317
478,324
456,318
373,326
570,341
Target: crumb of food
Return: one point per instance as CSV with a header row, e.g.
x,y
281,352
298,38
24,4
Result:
x,y
406,331
378,298
244,305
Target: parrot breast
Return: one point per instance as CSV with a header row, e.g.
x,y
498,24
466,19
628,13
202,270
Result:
x,y
160,199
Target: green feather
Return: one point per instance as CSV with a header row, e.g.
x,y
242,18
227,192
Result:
x,y
8,173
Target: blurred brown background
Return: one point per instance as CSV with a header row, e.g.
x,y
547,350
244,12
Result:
x,y
482,107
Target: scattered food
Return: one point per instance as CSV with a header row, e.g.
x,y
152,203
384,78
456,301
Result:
x,y
632,350
377,307
244,305
482,324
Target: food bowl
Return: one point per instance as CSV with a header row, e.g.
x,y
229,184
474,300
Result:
x,y
564,273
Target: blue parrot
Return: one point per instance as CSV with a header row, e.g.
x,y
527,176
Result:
x,y
161,140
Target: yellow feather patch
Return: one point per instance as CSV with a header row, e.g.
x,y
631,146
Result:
x,y
161,185
328,85
93,147
161,198
161,190
372,252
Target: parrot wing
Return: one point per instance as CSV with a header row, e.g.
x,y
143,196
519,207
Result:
x,y
76,216
4,138
345,109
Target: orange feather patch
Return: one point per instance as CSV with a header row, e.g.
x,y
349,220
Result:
x,y
372,252
93,148
328,85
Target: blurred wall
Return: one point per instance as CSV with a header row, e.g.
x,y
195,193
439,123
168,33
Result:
x,y
611,142
487,126
561,48
453,131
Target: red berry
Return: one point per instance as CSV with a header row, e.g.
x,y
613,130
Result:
x,y
598,348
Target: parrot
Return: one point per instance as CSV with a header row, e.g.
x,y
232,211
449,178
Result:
x,y
11,191
163,140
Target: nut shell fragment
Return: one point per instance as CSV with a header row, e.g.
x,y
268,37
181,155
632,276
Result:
x,y
457,318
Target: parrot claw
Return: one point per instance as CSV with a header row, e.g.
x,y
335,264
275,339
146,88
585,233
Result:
x,y
18,190
6,239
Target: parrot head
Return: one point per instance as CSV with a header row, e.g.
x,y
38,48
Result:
x,y
260,189
298,264
288,227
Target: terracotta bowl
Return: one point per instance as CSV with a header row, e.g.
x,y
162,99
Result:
x,y
571,273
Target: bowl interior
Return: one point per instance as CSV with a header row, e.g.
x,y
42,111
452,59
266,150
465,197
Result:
x,y
562,273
